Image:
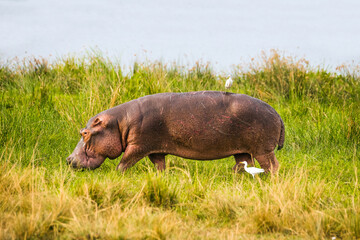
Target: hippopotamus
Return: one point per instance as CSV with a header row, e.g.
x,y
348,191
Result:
x,y
205,125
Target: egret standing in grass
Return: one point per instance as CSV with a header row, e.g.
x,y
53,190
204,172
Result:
x,y
229,83
252,170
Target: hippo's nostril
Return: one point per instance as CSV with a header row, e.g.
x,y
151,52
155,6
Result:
x,y
69,160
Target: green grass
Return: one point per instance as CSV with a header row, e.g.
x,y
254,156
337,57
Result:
x,y
315,194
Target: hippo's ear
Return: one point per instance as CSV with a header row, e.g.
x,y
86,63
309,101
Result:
x,y
100,121
96,122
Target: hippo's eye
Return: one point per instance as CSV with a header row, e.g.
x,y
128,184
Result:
x,y
84,132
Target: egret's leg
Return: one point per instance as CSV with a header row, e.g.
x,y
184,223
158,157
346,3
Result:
x,y
268,162
240,158
158,159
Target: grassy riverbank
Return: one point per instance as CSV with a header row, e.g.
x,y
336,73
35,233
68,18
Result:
x,y
315,194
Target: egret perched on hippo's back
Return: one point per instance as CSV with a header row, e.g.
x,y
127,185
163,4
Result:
x,y
204,125
229,83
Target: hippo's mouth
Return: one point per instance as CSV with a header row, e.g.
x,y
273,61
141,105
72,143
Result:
x,y
92,159
84,157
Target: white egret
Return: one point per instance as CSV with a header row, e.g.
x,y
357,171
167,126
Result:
x,y
252,170
229,83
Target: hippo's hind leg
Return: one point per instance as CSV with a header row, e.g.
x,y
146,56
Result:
x,y
158,159
132,155
268,162
240,158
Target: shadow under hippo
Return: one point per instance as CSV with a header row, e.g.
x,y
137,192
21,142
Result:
x,y
203,125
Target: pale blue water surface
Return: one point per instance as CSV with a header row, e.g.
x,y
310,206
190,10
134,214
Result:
x,y
226,32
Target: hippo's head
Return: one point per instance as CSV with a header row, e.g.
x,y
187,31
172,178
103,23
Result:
x,y
99,139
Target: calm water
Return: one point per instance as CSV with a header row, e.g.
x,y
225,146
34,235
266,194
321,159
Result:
x,y
226,32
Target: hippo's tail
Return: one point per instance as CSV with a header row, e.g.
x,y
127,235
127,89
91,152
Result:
x,y
282,136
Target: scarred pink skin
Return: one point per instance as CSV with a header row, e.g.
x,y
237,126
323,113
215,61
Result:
x,y
204,125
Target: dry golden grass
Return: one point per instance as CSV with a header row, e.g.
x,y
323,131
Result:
x,y
173,206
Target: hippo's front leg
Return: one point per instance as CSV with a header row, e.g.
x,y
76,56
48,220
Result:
x,y
132,155
158,159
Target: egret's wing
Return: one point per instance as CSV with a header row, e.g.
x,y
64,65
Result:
x,y
228,83
256,170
